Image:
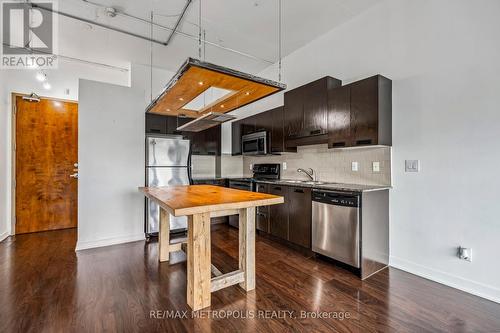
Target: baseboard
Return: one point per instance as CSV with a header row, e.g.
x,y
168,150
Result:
x,y
469,286
108,241
4,236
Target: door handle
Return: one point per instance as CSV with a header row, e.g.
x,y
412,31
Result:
x,y
75,175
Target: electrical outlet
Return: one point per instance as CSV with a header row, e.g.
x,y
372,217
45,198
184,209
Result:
x,y
464,253
354,166
284,166
376,166
251,167
412,165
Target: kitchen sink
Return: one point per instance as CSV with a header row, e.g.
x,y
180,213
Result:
x,y
306,182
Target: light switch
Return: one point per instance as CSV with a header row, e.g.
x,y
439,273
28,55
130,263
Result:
x,y
284,165
376,166
251,167
412,165
354,166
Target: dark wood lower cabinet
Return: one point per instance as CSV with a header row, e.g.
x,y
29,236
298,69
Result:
x,y
278,214
262,213
299,216
290,221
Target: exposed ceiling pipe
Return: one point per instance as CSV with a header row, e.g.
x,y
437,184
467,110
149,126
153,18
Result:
x,y
60,56
179,20
181,33
37,6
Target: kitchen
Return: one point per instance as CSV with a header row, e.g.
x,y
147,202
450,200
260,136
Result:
x,y
309,193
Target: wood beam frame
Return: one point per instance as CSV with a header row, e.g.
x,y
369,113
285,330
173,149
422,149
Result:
x,y
164,236
247,247
198,261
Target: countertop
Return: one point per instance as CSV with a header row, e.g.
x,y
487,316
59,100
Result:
x,y
318,185
328,186
195,199
298,183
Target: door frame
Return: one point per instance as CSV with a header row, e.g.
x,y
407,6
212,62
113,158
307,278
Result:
x,y
13,131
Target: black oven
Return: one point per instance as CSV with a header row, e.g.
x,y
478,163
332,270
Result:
x,y
254,144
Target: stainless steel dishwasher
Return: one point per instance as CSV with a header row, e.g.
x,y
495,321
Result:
x,y
335,225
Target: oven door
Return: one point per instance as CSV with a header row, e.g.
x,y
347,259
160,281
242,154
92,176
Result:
x,y
254,144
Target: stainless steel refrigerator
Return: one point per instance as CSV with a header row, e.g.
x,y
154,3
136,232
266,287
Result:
x,y
168,162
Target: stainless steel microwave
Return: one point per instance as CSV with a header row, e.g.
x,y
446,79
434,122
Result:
x,y
254,144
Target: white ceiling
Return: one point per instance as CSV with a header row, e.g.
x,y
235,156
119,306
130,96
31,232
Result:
x,y
249,26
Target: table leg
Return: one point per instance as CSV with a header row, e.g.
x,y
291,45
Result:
x,y
247,247
198,261
164,236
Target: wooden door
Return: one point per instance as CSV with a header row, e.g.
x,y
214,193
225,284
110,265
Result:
x,y
46,151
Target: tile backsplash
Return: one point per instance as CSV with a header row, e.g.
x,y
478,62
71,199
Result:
x,y
332,165
203,166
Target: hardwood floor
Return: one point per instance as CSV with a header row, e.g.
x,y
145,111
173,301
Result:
x,y
46,287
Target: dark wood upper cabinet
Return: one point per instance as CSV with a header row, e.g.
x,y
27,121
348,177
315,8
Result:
x,y
361,113
278,214
207,142
339,117
236,133
324,111
277,141
212,140
293,114
262,122
156,124
248,125
306,112
299,216
371,111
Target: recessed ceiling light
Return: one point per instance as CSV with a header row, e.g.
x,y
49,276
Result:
x,y
168,109
222,105
247,93
181,99
200,83
47,86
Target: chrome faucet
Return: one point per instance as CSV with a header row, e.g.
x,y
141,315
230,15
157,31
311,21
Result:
x,y
309,173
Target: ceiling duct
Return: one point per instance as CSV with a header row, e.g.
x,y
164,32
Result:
x,y
208,120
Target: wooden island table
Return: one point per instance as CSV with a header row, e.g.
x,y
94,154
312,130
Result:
x,y
199,203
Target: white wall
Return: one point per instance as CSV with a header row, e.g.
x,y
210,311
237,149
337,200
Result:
x,y
111,164
443,57
4,230
23,81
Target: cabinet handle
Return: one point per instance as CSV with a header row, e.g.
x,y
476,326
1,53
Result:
x,y
277,188
153,130
364,142
338,144
298,190
211,153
